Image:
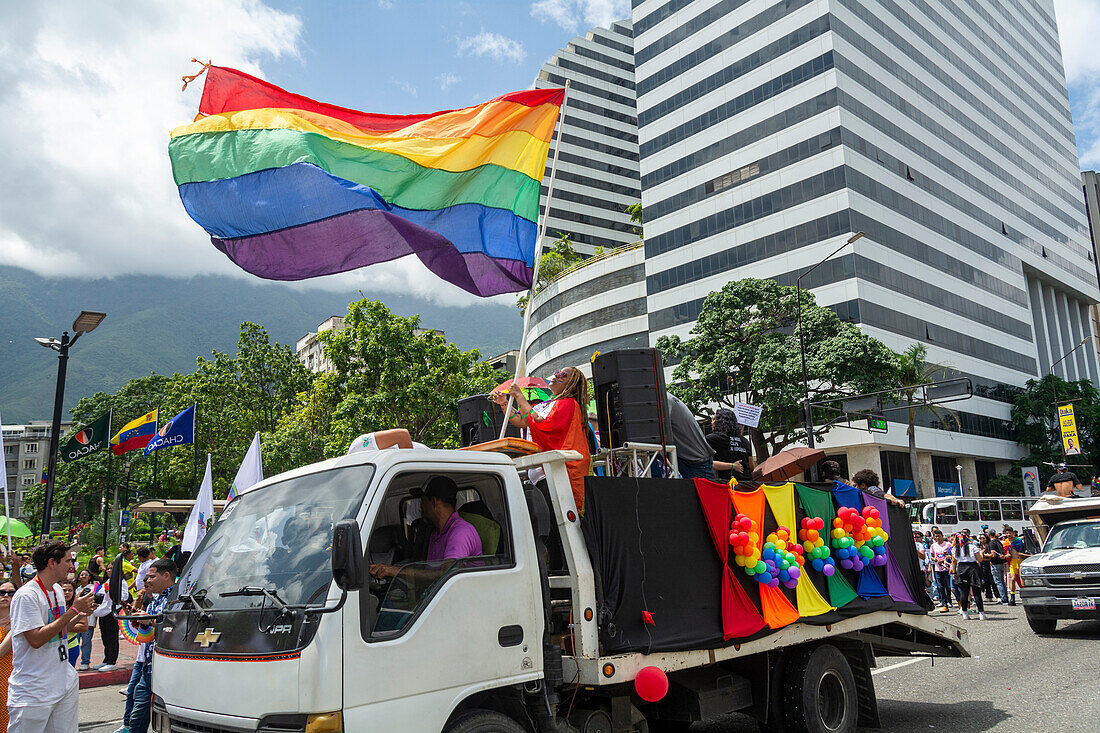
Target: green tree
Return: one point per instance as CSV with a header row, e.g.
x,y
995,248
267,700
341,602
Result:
x,y
635,212
389,372
745,344
914,370
556,260
1035,419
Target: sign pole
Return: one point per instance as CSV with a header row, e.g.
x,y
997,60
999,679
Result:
x,y
521,360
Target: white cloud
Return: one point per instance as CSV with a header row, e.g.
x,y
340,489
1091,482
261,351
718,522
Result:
x,y
88,95
385,4
1078,28
493,45
447,80
404,86
577,15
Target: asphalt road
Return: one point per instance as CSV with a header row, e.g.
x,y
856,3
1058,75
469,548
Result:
x,y
1015,681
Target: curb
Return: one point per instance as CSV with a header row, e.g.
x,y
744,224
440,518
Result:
x,y
102,679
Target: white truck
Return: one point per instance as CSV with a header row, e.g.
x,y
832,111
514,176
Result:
x,y
1062,582
277,626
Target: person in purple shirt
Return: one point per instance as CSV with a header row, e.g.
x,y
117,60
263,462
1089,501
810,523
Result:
x,y
452,538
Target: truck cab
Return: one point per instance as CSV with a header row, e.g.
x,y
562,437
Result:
x,y
1062,582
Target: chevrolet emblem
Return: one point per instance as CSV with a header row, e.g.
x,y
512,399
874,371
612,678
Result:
x,y
207,637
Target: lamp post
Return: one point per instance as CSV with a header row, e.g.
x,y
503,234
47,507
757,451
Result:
x,y
84,323
959,470
807,416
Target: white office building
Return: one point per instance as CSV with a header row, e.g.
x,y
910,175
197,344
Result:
x,y
770,132
26,453
598,161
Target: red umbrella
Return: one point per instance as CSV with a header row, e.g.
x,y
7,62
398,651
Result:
x,y
787,464
524,382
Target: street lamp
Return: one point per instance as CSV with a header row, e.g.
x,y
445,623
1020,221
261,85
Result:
x,y
959,469
84,323
807,417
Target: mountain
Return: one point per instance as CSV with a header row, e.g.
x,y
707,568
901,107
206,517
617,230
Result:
x,y
162,324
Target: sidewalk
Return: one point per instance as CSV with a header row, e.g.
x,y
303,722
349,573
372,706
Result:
x,y
127,652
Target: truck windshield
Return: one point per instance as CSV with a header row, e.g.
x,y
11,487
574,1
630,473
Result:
x,y
1073,537
279,538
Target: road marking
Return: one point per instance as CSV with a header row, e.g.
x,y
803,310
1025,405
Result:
x,y
914,660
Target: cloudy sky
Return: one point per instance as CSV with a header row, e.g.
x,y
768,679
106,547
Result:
x,y
89,92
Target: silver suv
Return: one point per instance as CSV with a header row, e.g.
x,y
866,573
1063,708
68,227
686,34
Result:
x,y
1063,581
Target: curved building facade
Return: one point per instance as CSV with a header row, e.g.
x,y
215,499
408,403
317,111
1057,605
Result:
x,y
599,306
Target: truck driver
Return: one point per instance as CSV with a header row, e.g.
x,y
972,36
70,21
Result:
x,y
452,537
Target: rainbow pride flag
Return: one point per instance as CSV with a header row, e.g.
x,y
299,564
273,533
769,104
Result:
x,y
290,188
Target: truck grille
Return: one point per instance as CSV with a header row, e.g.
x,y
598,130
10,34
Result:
x,y
164,723
1059,569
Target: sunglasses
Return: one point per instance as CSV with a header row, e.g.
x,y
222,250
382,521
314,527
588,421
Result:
x,y
6,593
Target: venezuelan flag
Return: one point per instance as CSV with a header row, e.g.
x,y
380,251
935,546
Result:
x,y
290,188
135,434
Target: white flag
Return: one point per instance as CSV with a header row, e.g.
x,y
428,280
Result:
x,y
251,471
201,513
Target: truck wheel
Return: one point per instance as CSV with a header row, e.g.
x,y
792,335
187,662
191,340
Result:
x,y
1041,625
484,721
819,692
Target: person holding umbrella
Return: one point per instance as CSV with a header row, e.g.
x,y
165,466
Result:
x,y
558,423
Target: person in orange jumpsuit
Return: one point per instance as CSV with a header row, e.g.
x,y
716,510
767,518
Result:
x,y
558,423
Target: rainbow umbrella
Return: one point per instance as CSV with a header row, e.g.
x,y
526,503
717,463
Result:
x,y
534,388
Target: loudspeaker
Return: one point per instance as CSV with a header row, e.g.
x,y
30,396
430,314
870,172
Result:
x,y
631,405
479,421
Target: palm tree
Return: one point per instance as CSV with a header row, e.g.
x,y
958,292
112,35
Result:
x,y
912,371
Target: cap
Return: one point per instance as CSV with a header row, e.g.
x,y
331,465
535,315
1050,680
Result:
x,y
1062,466
985,526
441,487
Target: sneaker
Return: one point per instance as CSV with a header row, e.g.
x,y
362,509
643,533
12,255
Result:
x,y
107,668
965,616
981,616
943,609
1012,601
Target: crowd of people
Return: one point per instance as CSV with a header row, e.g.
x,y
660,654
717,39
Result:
x,y
49,611
963,568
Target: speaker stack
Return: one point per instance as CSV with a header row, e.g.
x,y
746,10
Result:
x,y
480,419
631,406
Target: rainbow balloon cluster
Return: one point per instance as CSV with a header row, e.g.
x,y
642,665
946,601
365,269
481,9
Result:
x,y
871,542
847,522
783,558
814,547
744,538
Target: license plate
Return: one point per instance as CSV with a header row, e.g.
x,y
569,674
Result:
x,y
1084,604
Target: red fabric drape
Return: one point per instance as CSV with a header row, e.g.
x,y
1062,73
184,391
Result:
x,y
778,611
563,429
739,616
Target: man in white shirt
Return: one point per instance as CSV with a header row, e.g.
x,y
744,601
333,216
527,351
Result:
x,y
42,691
147,557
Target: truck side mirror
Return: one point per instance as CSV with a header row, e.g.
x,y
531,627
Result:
x,y
347,555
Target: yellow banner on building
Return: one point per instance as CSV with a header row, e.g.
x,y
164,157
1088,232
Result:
x,y
1070,442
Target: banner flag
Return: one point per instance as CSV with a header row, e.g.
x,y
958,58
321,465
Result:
x,y
201,513
92,438
177,431
251,471
135,434
1071,444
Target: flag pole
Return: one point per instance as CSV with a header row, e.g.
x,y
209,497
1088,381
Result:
x,y
107,489
521,360
7,512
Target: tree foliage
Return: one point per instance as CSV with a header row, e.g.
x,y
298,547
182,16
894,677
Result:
x,y
745,344
556,260
913,370
1035,420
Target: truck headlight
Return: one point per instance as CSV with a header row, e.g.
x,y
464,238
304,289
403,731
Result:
x,y
1029,570
1032,580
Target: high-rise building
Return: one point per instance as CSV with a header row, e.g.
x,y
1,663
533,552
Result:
x,y
771,132
1090,180
598,161
26,453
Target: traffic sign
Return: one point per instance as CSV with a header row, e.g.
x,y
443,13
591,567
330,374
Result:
x,y
877,425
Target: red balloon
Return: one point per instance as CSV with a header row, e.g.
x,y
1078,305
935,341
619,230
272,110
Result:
x,y
651,684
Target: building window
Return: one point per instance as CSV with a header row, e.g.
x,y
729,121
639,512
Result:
x,y
31,448
986,472
944,471
28,464
28,480
897,472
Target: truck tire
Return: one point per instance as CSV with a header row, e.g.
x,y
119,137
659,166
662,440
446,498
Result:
x,y
1041,625
819,692
484,721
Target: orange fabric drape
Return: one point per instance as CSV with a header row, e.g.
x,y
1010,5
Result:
x,y
778,611
562,428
